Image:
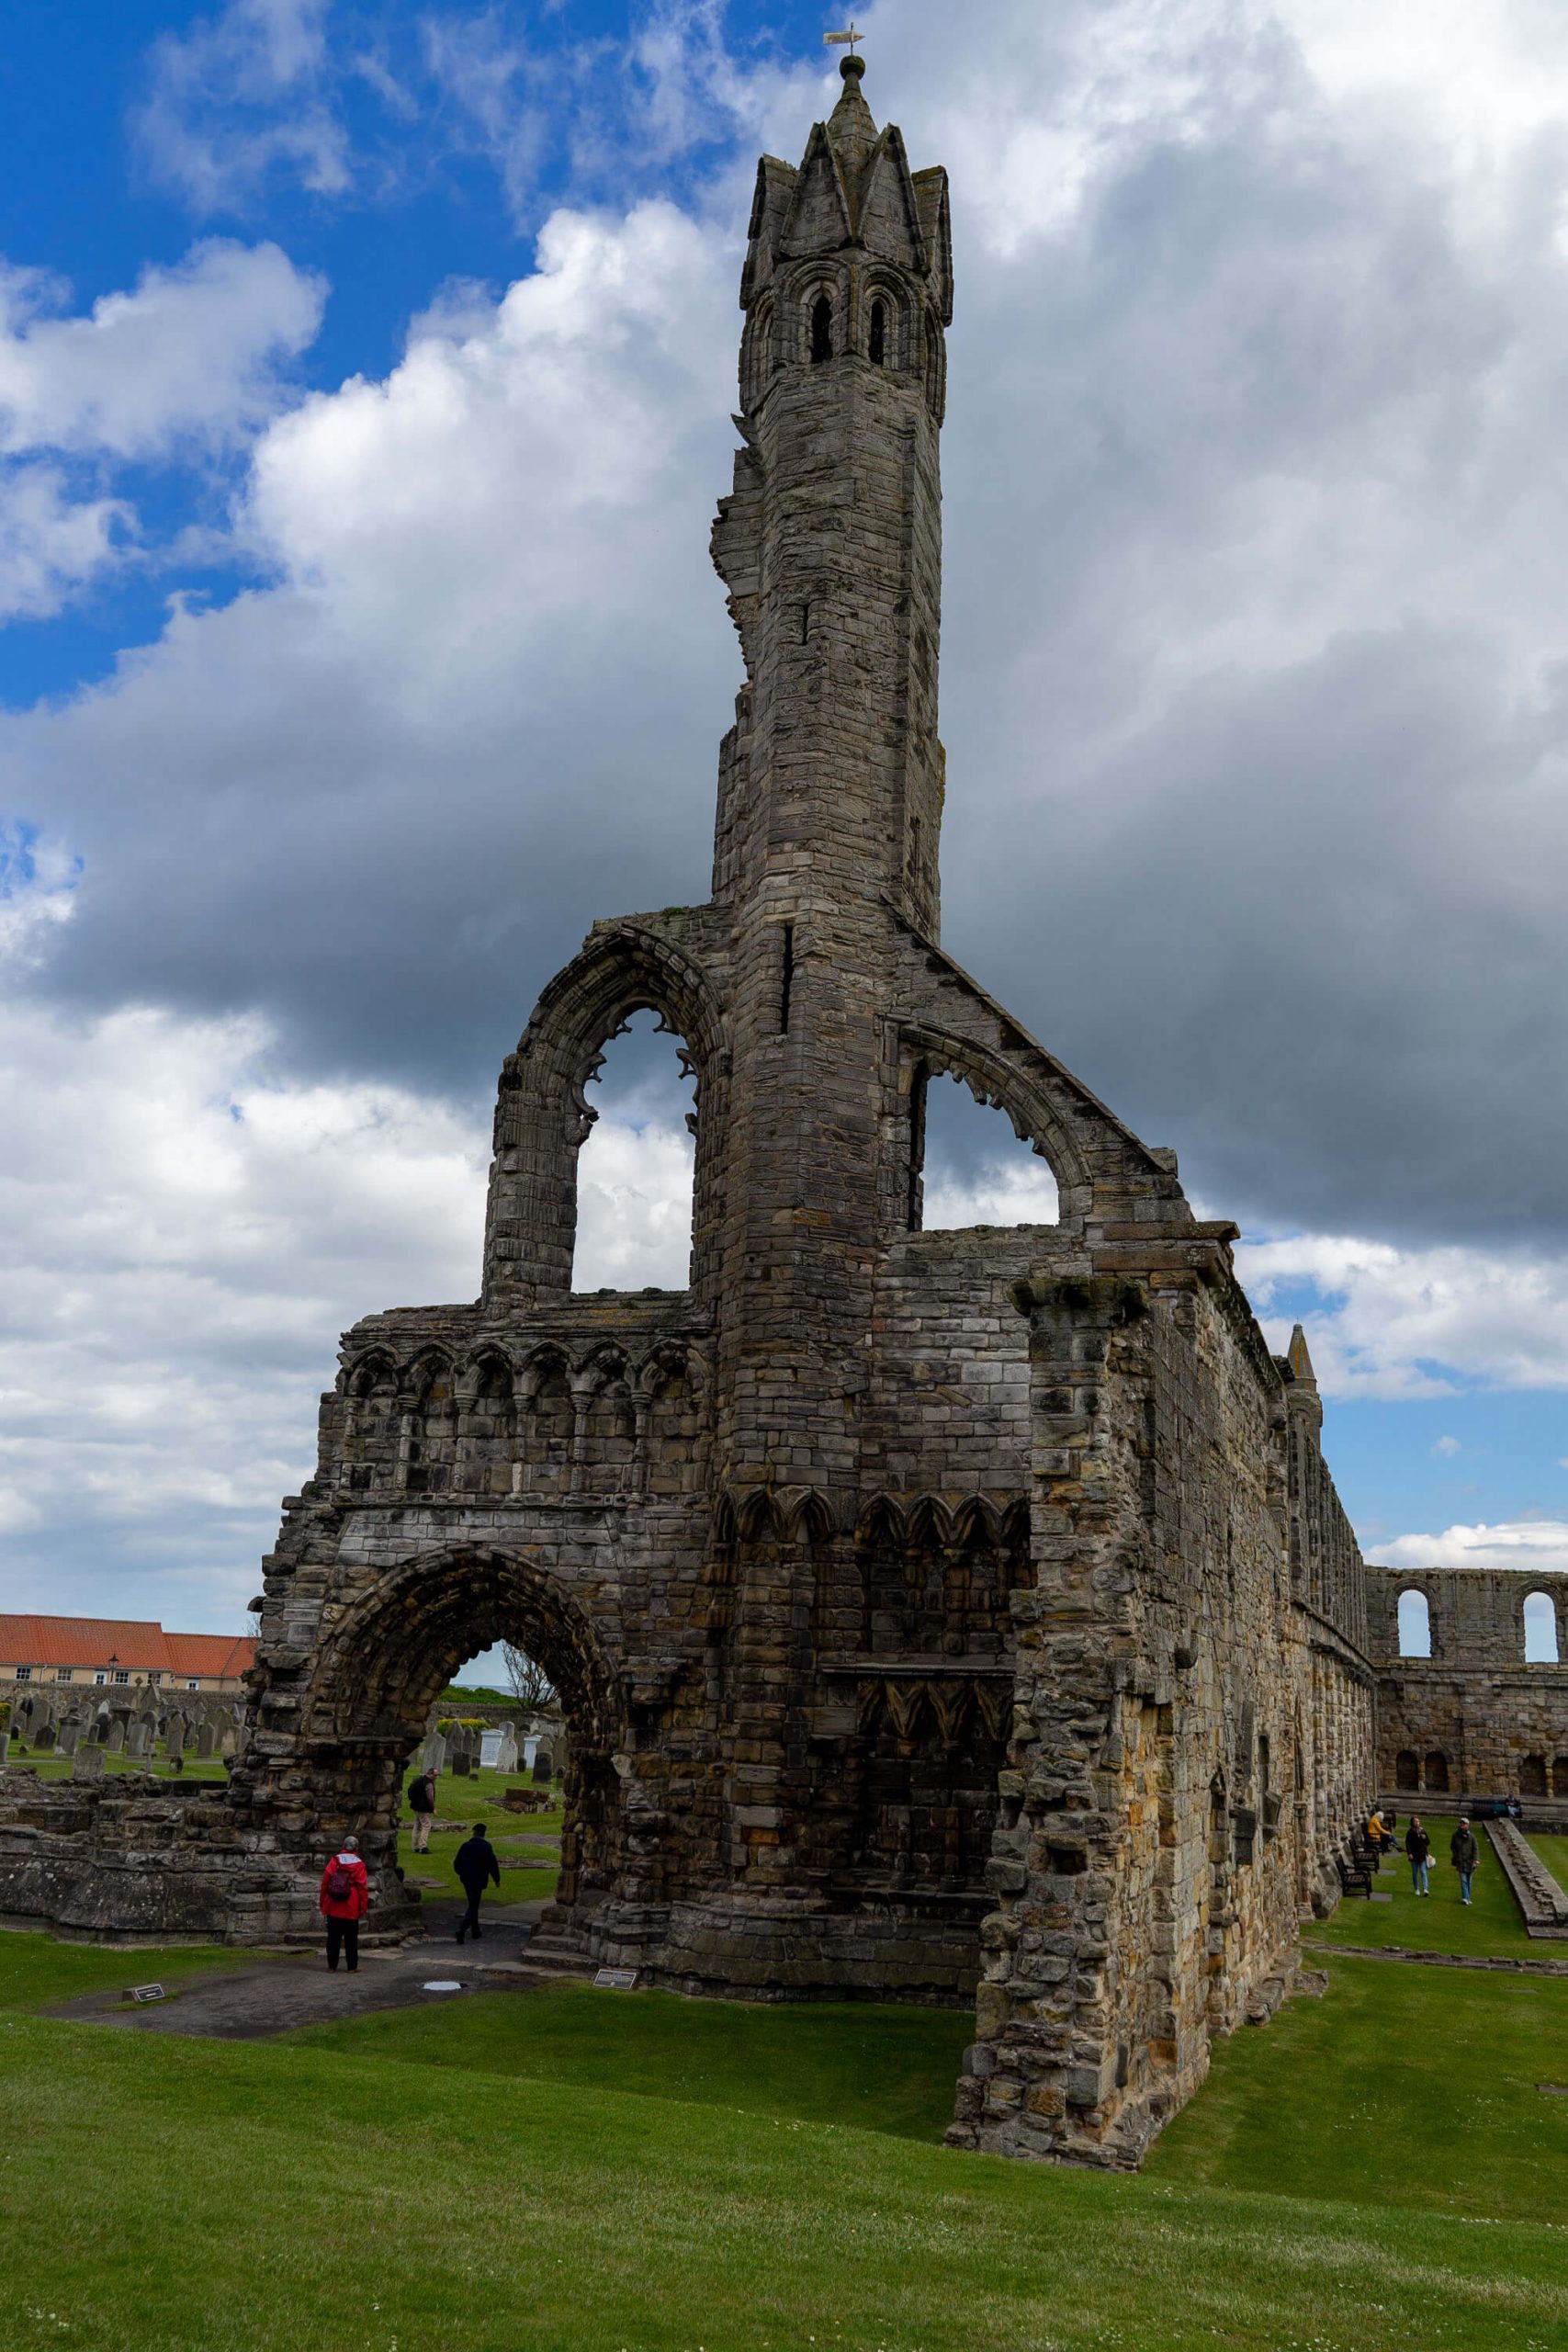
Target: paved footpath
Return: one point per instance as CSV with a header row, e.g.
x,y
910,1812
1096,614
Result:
x,y
279,1990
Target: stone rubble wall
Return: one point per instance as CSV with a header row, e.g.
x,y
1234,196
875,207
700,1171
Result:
x,y
1160,1834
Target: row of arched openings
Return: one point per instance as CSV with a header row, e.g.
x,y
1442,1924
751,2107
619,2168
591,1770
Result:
x,y
1539,1626
546,1425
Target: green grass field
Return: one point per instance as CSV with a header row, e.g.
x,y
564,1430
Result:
x,y
523,1878
571,2171
1553,1852
1438,1921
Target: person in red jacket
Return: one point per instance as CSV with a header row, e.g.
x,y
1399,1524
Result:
x,y
345,1898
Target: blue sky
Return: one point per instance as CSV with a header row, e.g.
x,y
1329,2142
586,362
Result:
x,y
364,380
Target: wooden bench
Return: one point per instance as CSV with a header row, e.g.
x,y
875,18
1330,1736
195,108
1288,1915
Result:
x,y
1355,1876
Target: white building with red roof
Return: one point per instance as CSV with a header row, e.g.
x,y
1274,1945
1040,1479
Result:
x,y
131,1652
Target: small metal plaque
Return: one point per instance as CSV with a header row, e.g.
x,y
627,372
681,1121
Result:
x,y
616,1980
148,1993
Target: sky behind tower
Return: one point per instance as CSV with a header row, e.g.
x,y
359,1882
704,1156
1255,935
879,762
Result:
x,y
364,391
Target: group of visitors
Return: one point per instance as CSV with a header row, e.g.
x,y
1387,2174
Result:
x,y
345,1882
1463,1853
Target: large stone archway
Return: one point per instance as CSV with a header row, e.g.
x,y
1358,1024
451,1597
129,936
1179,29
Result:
x,y
391,1651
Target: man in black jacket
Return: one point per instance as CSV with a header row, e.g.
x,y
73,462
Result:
x,y
475,1866
1464,1853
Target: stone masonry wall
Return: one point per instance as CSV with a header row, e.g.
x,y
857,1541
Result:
x,y
1473,1719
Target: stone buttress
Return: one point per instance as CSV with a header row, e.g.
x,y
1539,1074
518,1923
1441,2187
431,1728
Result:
x,y
922,1605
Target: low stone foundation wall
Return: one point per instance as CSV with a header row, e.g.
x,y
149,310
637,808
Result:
x,y
1540,1899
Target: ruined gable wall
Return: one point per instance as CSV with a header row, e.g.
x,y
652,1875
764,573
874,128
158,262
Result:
x,y
1474,1719
1156,1846
947,1399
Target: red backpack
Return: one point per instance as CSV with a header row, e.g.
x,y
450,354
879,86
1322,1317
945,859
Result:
x,y
340,1881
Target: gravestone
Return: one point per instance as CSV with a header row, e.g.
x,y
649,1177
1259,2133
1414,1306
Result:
x,y
489,1750
141,1740
43,1738
542,1765
205,1740
460,1764
506,1759
88,1764
432,1755
68,1737
175,1737
117,1733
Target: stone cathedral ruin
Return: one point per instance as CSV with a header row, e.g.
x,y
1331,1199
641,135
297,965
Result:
x,y
938,1615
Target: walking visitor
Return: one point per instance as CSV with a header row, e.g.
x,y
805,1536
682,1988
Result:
x,y
422,1804
1464,1853
475,1866
1419,1846
344,1899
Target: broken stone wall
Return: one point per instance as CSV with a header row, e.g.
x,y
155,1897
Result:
x,y
1473,1720
1159,1834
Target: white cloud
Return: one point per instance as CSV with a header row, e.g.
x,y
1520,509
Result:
x,y
51,544
634,1213
1010,1192
181,1240
1528,1546
240,97
193,351
1387,1322
1446,1448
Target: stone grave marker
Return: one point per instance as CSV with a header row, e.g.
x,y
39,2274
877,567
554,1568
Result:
x,y
205,1740
69,1734
490,1750
506,1759
117,1733
88,1764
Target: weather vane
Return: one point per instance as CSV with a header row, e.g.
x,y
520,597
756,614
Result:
x,y
837,41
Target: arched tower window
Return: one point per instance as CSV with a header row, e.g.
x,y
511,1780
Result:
x,y
633,1175
821,329
1415,1624
968,1165
1540,1630
877,339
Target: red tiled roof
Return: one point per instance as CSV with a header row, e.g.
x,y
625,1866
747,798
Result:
x,y
137,1642
208,1654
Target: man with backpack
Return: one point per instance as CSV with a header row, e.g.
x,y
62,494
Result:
x,y
344,1899
475,1866
422,1804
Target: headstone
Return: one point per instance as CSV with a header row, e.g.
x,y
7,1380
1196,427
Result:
x,y
460,1764
88,1764
140,1736
490,1750
5,1746
432,1755
205,1740
43,1738
542,1765
117,1733
68,1736
506,1761
176,1735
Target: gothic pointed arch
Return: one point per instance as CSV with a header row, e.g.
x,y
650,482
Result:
x,y
543,1115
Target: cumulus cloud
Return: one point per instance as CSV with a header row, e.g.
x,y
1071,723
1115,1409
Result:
x,y
1408,1322
1529,1546
192,352
52,543
241,98
181,1240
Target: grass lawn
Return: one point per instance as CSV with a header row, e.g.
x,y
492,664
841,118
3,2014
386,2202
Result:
x,y
833,2062
528,1873
1553,1852
36,1973
53,1766
181,2196
1438,1921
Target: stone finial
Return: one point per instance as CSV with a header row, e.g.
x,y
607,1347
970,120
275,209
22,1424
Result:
x,y
1300,1362
852,127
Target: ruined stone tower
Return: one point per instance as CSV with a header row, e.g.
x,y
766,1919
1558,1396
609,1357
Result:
x,y
928,1608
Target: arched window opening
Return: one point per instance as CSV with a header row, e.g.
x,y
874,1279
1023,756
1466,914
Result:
x,y
634,1172
1540,1630
1533,1776
1415,1625
1438,1772
821,329
877,339
1407,1770
967,1166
